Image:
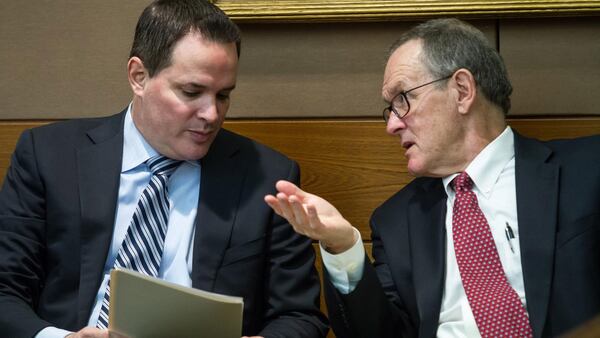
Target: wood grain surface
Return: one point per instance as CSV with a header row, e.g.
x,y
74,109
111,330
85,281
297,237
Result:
x,y
352,162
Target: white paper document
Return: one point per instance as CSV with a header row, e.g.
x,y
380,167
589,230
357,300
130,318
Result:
x,y
144,307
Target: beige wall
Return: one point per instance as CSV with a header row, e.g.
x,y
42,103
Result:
x,y
554,65
319,69
64,59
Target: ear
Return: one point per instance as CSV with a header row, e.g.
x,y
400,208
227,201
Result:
x,y
466,88
137,75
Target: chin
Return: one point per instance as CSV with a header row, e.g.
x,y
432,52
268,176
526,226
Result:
x,y
415,167
194,156
415,172
191,153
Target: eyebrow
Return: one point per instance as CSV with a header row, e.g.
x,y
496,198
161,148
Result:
x,y
228,88
395,90
201,86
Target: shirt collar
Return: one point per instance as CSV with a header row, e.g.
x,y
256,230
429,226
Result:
x,y
486,167
135,148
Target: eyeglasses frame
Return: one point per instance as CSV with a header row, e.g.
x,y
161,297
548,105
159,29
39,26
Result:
x,y
391,109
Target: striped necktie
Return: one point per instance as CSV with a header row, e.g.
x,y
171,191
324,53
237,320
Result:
x,y
497,309
142,247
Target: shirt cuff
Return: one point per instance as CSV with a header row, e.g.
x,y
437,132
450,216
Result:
x,y
345,269
52,332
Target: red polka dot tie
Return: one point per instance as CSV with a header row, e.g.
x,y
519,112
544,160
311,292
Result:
x,y
496,306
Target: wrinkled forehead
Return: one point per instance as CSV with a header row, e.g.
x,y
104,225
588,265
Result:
x,y
403,69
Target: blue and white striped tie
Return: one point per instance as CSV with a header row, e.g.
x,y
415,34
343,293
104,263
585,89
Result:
x,y
142,247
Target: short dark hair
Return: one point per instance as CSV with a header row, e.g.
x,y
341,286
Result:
x,y
451,44
164,22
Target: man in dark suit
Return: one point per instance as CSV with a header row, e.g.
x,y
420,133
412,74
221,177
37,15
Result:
x,y
67,201
499,234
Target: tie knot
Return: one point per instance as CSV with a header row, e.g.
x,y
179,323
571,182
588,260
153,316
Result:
x,y
161,165
462,182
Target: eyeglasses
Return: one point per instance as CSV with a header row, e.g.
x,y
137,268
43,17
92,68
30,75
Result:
x,y
400,105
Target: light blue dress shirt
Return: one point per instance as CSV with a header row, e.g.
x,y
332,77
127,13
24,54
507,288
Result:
x,y
184,192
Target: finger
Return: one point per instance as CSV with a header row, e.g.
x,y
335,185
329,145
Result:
x,y
290,189
274,204
313,217
285,208
299,213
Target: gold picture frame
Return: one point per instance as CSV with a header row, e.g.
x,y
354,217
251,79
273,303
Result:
x,y
390,10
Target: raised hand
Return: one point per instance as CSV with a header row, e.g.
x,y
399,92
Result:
x,y
313,216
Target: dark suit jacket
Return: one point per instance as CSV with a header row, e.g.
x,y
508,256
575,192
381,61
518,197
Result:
x,y
558,208
57,210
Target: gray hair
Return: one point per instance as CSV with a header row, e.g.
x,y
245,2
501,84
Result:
x,y
451,44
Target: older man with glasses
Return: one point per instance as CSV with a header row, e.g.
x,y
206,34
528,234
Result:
x,y
499,234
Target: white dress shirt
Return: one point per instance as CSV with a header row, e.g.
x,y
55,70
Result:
x,y
493,174
184,192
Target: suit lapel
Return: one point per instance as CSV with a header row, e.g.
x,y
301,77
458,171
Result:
x,y
427,242
223,172
99,168
537,197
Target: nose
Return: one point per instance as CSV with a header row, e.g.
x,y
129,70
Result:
x,y
208,110
395,125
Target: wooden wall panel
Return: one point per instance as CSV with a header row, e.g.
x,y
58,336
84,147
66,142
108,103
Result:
x,y
353,162
357,166
9,134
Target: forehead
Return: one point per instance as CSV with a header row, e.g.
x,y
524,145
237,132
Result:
x,y
404,68
193,46
196,59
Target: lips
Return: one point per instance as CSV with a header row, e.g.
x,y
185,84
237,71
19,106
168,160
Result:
x,y
407,144
200,135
